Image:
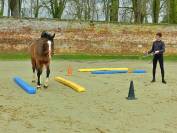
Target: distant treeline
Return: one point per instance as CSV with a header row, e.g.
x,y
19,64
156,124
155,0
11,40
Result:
x,y
126,11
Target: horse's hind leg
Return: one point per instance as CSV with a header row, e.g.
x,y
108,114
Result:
x,y
47,76
33,68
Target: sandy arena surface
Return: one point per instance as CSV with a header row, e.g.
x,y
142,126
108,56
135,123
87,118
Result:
x,y
103,108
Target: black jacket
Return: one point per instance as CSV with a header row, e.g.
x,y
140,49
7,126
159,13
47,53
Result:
x,y
158,46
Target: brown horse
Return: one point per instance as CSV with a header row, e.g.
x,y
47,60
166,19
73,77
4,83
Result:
x,y
41,51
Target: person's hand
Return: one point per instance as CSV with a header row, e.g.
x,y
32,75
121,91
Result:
x,y
145,53
156,52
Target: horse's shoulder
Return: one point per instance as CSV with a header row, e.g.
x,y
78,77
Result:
x,y
41,41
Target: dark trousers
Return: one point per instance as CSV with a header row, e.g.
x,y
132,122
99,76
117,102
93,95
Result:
x,y
155,60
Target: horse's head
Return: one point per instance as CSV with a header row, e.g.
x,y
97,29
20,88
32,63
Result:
x,y
49,45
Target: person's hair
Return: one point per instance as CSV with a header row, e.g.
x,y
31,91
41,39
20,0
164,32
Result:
x,y
159,34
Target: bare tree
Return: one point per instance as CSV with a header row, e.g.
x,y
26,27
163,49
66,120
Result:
x,y
114,10
125,11
15,7
2,8
36,9
79,8
106,9
87,9
172,11
139,8
57,7
155,10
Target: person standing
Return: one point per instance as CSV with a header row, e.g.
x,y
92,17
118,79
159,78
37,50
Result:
x,y
158,49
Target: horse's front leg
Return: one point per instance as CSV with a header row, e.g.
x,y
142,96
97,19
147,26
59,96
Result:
x,y
33,68
33,78
39,72
47,76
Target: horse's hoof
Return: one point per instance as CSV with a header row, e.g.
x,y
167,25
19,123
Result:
x,y
38,86
45,86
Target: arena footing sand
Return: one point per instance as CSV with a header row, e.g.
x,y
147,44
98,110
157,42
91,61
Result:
x,y
102,109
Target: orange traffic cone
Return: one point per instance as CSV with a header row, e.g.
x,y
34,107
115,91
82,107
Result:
x,y
69,71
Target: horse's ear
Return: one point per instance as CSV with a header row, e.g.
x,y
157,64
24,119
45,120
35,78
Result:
x,y
53,35
43,34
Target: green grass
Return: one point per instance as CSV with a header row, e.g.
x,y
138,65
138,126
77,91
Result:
x,y
25,56
97,57
14,56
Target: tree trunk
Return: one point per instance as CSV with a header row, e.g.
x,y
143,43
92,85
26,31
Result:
x,y
107,12
87,10
78,9
139,9
36,9
62,4
93,9
114,10
2,8
9,8
155,11
106,9
31,8
15,7
57,8
172,9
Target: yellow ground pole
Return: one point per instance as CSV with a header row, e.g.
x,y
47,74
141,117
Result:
x,y
101,69
70,84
